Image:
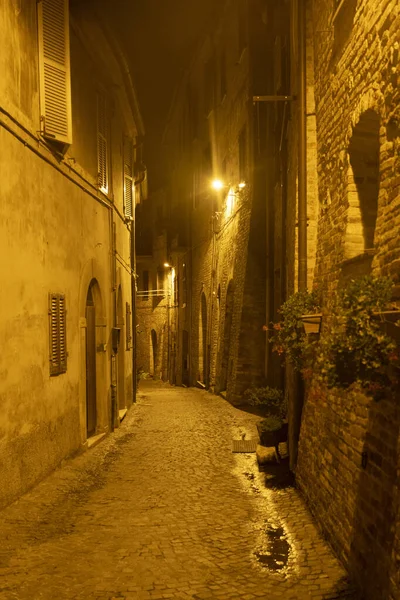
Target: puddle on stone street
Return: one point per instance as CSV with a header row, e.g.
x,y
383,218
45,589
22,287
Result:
x,y
276,554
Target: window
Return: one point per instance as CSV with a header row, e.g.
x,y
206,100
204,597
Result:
x,y
209,85
184,285
128,326
193,112
54,69
243,155
242,17
145,277
102,142
58,337
128,177
222,76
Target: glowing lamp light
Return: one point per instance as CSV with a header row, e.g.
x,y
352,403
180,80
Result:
x,y
217,184
166,264
242,185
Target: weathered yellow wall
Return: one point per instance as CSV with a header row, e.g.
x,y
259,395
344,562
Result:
x,y
55,236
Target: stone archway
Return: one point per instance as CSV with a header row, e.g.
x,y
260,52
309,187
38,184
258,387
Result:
x,y
121,353
92,312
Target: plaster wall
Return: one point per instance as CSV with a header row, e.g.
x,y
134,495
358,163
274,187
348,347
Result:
x,y
56,237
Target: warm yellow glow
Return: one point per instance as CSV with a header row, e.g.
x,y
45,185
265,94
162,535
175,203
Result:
x,y
230,203
218,184
242,185
166,264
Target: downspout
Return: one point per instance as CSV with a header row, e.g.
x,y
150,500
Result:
x,y
302,149
136,183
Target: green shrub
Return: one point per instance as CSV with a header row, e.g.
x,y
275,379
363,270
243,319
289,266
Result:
x,y
353,347
270,398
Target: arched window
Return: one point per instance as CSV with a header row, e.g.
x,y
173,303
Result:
x,y
363,185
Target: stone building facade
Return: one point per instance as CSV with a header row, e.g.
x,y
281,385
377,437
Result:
x,y
155,285
214,237
69,127
348,457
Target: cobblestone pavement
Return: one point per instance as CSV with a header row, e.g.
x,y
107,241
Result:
x,y
164,509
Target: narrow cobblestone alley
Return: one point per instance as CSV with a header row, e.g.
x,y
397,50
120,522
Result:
x,y
163,509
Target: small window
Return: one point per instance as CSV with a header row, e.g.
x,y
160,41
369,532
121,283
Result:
x,y
102,142
128,326
58,336
54,71
128,177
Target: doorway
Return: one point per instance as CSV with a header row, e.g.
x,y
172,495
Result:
x,y
226,341
153,353
121,354
91,408
203,370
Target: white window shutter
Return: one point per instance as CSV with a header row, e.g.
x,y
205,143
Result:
x,y
102,142
128,177
54,67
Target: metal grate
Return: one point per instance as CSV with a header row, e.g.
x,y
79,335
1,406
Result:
x,y
244,445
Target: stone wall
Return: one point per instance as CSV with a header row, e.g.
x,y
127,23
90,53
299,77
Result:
x,y
226,297
349,445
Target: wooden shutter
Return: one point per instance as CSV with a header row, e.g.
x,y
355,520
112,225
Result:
x,y
58,334
128,326
54,68
102,142
128,177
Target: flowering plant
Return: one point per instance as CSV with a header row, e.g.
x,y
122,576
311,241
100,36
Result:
x,y
289,337
354,348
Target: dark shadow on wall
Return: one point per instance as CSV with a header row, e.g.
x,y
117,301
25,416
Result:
x,y
376,502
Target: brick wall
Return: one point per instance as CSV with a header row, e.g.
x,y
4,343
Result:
x,y
348,465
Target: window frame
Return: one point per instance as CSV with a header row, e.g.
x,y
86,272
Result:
x,y
54,72
57,334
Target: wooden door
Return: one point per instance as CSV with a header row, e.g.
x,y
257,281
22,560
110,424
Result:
x,y
91,370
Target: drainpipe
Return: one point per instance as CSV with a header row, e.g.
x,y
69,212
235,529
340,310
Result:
x,y
302,156
136,183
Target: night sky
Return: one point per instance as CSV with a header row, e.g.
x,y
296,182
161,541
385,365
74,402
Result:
x,y
159,37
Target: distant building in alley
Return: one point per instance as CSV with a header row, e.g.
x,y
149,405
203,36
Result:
x,y
216,212
70,132
300,102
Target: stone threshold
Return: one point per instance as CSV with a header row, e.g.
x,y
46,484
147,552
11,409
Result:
x,y
95,439
122,414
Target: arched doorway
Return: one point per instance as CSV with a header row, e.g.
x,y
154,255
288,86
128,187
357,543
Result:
x,y
153,352
203,370
91,393
226,341
121,354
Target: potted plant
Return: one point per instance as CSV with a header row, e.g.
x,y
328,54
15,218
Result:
x,y
290,338
354,348
272,431
273,428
